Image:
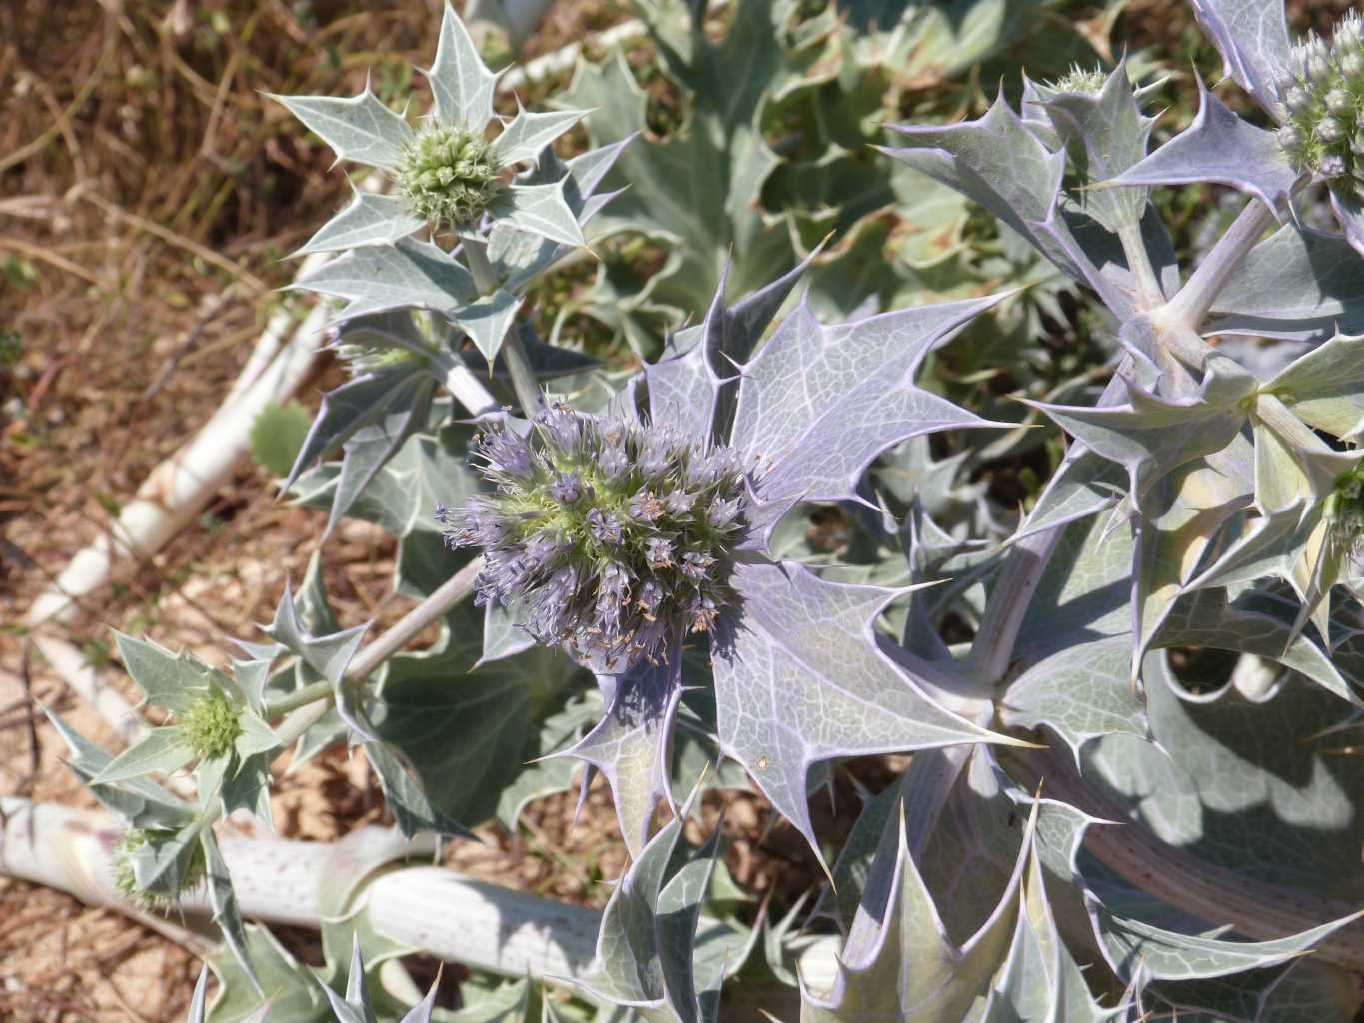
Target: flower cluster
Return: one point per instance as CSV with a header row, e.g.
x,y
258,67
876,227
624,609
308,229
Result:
x,y
1088,81
1345,510
1324,95
448,176
614,538
212,725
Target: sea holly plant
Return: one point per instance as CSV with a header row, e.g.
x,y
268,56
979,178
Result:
x,y
796,541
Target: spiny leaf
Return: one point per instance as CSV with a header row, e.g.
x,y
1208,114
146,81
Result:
x,y
370,219
1253,38
1219,147
360,128
460,82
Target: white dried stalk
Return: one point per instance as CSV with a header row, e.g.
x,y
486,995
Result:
x,y
181,486
483,926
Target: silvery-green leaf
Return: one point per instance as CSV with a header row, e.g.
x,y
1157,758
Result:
x,y
1106,134
370,219
253,676
140,802
460,82
370,447
539,209
1297,283
899,963
381,278
487,319
867,364
360,128
1247,625
327,655
467,734
294,995
1081,692
806,679
1184,513
1349,213
1085,593
256,737
1085,484
1169,955
173,681
1253,38
504,633
413,810
246,786
223,899
1222,148
161,751
1040,979
678,913
1325,387
628,968
1151,436
1241,784
528,134
518,257
549,774
164,862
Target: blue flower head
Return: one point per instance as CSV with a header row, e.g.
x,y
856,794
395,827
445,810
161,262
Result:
x,y
615,538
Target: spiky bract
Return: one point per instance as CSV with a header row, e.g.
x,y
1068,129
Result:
x,y
448,176
125,874
1345,509
1324,95
1089,81
615,538
212,725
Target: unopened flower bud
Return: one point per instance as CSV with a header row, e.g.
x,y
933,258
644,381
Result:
x,y
1339,101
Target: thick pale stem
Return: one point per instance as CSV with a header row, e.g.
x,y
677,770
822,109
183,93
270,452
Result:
x,y
476,256
1194,300
1139,262
523,377
487,927
992,650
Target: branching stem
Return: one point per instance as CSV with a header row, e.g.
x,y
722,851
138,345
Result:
x,y
451,593
1193,301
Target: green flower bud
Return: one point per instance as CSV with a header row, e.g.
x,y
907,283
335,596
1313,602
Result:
x,y
1088,81
211,725
125,874
448,176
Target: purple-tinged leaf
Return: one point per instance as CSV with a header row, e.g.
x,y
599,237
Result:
x,y
1219,147
693,391
1252,36
1350,212
1151,436
819,403
805,679
630,745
